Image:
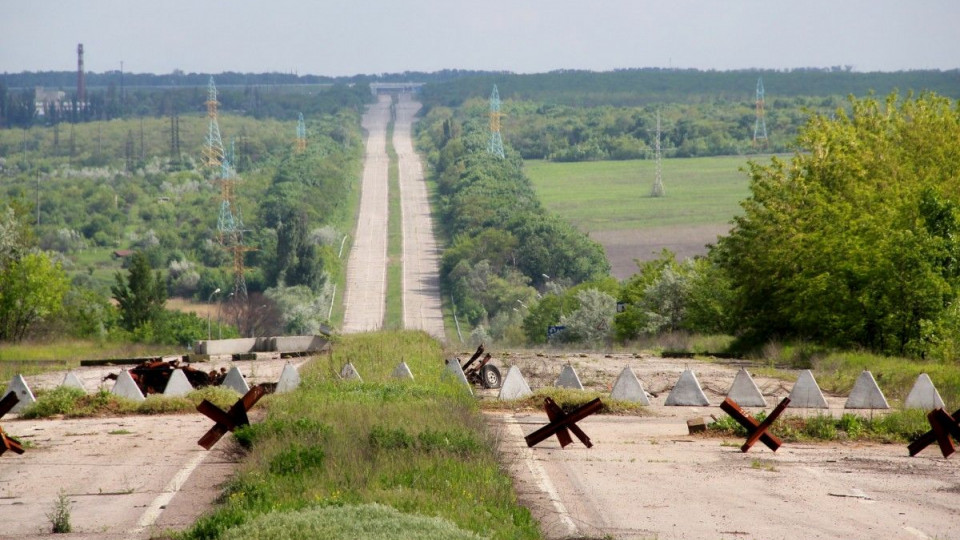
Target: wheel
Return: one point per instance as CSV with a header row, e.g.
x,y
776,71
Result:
x,y
490,376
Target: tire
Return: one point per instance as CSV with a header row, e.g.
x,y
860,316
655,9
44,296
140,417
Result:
x,y
490,376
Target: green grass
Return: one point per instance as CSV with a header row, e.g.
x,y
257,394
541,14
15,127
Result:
x,y
894,427
75,403
332,449
393,314
568,400
615,195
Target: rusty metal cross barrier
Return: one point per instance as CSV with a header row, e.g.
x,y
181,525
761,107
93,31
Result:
x,y
756,431
229,420
8,443
942,426
562,424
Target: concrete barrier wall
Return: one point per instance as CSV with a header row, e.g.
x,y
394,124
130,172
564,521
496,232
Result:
x,y
280,344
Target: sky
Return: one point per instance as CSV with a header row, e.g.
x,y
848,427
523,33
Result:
x,y
348,37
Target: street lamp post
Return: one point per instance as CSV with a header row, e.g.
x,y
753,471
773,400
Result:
x,y
210,299
220,328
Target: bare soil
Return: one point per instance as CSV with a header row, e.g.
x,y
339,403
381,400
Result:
x,y
624,247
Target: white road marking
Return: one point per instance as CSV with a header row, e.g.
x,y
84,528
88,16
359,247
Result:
x,y
155,508
540,477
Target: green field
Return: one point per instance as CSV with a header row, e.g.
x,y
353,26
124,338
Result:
x,y
615,195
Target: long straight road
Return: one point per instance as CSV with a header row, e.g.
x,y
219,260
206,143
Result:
x,y
421,268
365,297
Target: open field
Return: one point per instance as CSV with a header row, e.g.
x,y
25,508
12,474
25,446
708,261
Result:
x,y
611,201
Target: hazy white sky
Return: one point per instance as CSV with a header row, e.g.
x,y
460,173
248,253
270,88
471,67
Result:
x,y
346,37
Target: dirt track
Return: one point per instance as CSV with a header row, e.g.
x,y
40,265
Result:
x,y
646,477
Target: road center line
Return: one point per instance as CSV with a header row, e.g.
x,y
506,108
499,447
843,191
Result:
x,y
155,508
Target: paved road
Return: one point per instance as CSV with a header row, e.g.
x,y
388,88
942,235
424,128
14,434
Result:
x,y
365,296
421,269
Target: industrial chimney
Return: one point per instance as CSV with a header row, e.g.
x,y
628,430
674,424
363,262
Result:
x,y
81,82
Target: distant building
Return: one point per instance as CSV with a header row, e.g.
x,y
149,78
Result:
x,y
47,99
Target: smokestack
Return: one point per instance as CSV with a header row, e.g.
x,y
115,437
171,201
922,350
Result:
x,y
81,82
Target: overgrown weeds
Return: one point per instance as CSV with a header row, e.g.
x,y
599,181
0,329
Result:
x,y
75,403
893,427
419,447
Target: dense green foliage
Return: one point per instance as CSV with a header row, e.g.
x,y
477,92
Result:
x,y
856,240
141,295
418,446
502,241
95,192
580,116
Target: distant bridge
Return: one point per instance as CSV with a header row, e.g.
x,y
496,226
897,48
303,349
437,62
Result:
x,y
395,88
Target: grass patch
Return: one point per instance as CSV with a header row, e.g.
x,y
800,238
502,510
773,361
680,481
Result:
x,y
615,195
393,314
893,427
34,358
340,448
75,403
568,400
836,372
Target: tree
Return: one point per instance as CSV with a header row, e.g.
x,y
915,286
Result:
x,y
141,297
31,289
855,240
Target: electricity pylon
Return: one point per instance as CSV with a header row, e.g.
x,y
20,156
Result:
x,y
496,141
213,152
658,190
760,126
301,135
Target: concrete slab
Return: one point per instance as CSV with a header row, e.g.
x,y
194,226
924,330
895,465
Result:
x,y
402,371
235,380
227,346
568,378
923,395
687,392
629,388
71,380
284,344
806,393
745,391
514,386
177,385
289,379
349,373
454,370
19,387
866,394
126,388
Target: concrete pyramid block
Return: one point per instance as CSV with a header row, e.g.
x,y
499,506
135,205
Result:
x,y
350,373
629,388
235,380
402,371
806,393
866,394
569,379
177,385
514,386
923,395
71,380
454,370
289,379
745,392
19,387
687,392
126,388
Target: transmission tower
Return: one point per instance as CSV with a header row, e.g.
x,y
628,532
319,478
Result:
x,y
213,154
496,141
760,126
229,219
658,190
301,134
